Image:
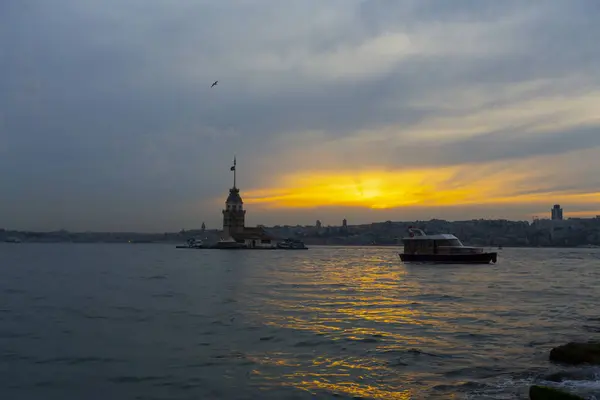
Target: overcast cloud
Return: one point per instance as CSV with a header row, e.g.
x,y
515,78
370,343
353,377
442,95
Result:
x,y
107,121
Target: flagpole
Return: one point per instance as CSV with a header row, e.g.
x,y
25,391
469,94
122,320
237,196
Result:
x,y
234,171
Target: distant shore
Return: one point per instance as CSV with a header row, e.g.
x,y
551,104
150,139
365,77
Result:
x,y
173,243
570,233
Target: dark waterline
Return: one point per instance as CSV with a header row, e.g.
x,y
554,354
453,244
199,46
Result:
x,y
153,322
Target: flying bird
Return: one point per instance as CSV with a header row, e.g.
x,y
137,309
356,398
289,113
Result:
x,y
214,84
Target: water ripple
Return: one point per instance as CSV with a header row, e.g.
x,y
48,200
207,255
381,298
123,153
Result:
x,y
149,322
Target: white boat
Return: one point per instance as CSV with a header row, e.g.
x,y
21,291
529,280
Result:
x,y
292,244
442,248
192,243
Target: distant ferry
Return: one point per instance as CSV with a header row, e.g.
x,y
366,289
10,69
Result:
x,y
291,244
444,248
192,243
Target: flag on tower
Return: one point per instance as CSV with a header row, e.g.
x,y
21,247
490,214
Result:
x,y
233,166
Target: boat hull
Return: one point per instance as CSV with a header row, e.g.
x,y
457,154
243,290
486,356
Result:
x,y
247,248
284,247
476,258
291,244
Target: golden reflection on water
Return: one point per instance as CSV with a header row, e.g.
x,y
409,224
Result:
x,y
344,298
341,304
341,322
300,324
345,364
325,374
342,294
355,389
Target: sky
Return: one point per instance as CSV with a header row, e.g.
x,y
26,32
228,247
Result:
x,y
368,110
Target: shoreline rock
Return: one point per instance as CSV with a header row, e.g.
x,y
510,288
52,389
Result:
x,y
547,393
574,353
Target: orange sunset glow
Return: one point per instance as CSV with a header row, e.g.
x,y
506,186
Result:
x,y
363,110
379,189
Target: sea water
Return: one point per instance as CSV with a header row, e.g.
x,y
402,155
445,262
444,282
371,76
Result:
x,y
148,321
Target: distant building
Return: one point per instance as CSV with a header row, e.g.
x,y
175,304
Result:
x,y
344,223
318,224
234,218
556,212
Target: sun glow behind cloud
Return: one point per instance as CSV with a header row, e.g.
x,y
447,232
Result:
x,y
360,106
491,184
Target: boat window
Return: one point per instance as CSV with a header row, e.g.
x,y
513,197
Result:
x,y
417,246
448,242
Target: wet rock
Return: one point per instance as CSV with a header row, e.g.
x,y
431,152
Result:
x,y
548,393
577,353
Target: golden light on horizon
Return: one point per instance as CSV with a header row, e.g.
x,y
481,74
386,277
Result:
x,y
380,189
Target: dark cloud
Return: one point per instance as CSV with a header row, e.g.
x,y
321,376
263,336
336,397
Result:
x,y
495,146
105,106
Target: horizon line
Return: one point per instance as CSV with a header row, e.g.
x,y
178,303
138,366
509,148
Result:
x,y
299,225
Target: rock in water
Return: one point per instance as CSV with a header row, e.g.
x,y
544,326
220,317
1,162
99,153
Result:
x,y
577,353
548,393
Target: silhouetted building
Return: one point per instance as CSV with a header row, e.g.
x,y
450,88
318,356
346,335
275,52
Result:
x,y
557,212
234,218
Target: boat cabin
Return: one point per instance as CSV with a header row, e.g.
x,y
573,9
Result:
x,y
420,243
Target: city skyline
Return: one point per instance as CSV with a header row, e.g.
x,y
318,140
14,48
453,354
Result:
x,y
319,223
368,110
